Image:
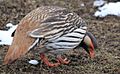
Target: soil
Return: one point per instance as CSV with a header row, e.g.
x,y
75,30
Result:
x,y
106,31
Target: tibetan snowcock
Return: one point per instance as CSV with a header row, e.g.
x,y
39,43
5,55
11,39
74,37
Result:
x,y
53,30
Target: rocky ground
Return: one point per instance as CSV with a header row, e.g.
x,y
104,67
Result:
x,y
106,30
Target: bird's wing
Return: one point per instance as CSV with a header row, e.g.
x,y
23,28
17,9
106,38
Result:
x,y
57,24
56,28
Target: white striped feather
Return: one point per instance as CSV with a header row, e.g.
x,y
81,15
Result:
x,y
68,41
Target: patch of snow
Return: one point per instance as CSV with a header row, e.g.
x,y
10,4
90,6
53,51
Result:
x,y
5,36
34,62
108,9
98,3
82,4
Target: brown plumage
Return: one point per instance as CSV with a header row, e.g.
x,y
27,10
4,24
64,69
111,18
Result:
x,y
55,26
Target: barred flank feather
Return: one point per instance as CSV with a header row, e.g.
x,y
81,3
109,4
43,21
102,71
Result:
x,y
68,41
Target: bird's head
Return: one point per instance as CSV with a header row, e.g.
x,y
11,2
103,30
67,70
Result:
x,y
89,43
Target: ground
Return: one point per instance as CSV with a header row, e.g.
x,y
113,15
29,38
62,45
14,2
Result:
x,y
106,31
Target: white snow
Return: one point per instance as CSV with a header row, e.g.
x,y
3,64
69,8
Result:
x,y
98,3
82,4
34,62
5,36
108,9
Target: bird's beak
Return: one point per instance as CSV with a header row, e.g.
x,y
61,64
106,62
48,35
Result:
x,y
91,51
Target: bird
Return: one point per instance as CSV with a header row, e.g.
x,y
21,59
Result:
x,y
52,29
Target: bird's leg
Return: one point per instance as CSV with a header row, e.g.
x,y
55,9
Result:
x,y
46,61
64,61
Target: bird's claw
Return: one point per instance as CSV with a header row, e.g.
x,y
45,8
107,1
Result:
x,y
64,61
46,61
53,64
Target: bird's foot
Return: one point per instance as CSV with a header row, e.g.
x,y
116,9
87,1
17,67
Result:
x,y
52,64
61,60
46,61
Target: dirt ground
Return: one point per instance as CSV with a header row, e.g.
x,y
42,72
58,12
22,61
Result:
x,y
106,30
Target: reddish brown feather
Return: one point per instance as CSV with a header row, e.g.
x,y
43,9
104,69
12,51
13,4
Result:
x,y
22,41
